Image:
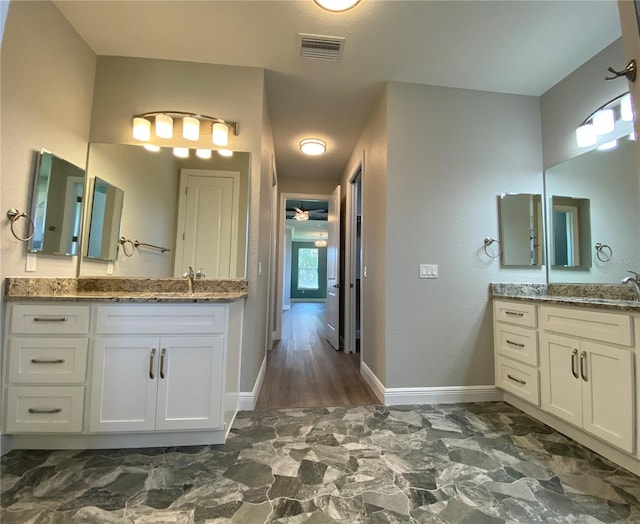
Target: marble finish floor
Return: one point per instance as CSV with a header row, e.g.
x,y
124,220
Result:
x,y
452,463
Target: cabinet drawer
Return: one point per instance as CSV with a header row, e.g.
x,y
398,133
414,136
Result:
x,y
160,319
41,360
515,313
518,379
606,327
517,343
37,409
49,320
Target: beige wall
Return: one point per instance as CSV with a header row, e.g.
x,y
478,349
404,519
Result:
x,y
46,85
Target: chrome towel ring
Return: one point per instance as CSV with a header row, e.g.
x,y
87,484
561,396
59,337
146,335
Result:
x,y
487,242
13,215
123,242
604,253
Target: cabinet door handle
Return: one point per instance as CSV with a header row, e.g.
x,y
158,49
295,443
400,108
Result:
x,y
50,319
514,313
153,354
45,411
512,343
574,363
47,361
162,353
523,382
583,366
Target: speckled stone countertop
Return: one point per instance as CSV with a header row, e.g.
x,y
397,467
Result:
x,y
120,289
601,296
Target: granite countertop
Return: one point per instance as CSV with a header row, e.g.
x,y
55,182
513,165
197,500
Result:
x,y
127,290
601,296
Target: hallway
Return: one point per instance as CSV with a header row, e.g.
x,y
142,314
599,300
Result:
x,y
303,370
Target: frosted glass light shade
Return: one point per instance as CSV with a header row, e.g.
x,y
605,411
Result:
x,y
608,145
604,121
203,153
313,146
141,129
181,152
152,148
220,134
626,108
190,128
225,152
586,135
164,126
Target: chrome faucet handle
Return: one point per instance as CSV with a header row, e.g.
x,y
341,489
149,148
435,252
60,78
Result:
x,y
636,276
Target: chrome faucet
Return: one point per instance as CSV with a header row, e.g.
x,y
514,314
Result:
x,y
189,275
635,281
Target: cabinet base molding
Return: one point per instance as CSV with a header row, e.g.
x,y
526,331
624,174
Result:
x,y
248,399
614,455
134,440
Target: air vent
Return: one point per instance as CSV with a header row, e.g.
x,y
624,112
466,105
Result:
x,y
321,47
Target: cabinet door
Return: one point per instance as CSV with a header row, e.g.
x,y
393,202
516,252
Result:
x,y
190,383
561,392
608,394
124,384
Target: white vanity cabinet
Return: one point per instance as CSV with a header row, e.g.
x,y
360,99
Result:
x,y
168,382
586,379
46,363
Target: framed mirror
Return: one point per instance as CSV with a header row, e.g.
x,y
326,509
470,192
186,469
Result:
x,y
521,229
56,209
570,228
104,224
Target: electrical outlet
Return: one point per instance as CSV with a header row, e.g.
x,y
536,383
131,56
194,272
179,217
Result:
x,y
30,264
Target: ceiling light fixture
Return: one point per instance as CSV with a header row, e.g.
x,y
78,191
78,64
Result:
x,y
191,126
320,243
337,6
609,122
313,146
301,215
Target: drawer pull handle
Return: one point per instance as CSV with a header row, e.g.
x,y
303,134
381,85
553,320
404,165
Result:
x,y
162,353
574,363
583,366
517,344
153,354
523,382
50,319
45,411
514,313
47,361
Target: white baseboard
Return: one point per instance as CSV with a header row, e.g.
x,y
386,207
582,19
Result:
x,y
248,398
430,395
5,444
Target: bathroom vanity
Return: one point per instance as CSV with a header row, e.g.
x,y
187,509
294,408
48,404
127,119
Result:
x,y
570,360
93,368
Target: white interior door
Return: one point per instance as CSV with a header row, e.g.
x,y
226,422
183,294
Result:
x,y
207,222
332,330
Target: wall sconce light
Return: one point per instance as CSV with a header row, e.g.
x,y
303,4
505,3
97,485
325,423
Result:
x,y
191,126
313,146
605,125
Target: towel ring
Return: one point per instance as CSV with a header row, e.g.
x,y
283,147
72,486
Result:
x,y
123,241
487,242
13,215
604,253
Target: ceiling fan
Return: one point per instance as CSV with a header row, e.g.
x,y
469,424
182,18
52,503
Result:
x,y
305,213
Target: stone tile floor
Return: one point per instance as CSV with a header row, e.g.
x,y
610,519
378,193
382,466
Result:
x,y
451,463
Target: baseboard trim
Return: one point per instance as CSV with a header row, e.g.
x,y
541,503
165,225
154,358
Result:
x,y
5,444
441,395
247,399
373,381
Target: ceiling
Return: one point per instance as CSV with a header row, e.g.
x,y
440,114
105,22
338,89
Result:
x,y
521,47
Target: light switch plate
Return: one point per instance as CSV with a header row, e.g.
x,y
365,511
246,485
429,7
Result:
x,y
428,271
109,268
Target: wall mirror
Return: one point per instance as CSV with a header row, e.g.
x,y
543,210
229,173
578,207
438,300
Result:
x,y
169,204
521,229
608,180
104,224
570,227
56,210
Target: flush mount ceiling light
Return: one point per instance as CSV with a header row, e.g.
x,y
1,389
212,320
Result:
x,y
313,146
191,126
337,6
606,124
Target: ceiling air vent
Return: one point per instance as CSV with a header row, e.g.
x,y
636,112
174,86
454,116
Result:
x,y
321,47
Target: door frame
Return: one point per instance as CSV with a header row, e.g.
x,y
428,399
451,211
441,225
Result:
x,y
273,255
280,249
350,276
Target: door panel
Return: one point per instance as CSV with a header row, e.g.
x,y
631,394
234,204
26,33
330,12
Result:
x,y
332,331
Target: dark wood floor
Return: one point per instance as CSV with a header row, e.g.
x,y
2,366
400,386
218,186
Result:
x,y
303,370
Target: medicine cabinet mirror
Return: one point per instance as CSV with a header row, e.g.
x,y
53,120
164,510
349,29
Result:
x,y
104,225
521,229
56,210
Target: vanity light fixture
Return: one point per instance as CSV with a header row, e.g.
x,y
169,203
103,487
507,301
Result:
x,y
181,152
152,148
606,124
203,153
626,108
192,125
313,146
225,152
337,6
608,145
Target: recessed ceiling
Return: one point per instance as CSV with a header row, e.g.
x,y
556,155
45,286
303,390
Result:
x,y
521,47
